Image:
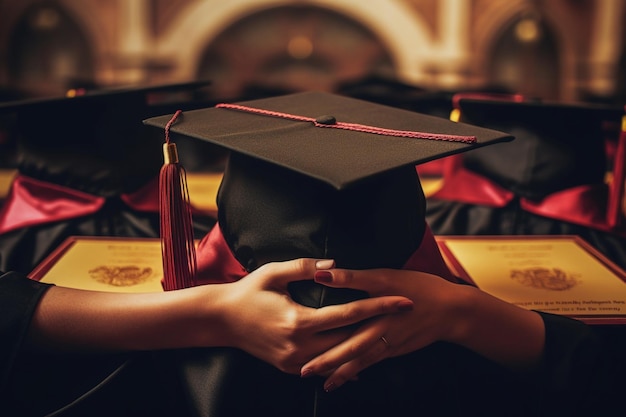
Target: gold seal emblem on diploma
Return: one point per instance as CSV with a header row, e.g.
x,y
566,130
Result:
x,y
553,279
120,276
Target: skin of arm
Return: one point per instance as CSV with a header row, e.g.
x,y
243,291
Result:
x,y
254,314
443,311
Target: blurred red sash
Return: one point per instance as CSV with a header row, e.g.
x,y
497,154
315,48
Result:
x,y
596,206
32,202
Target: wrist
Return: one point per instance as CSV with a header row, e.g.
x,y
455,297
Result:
x,y
198,314
209,310
462,314
500,331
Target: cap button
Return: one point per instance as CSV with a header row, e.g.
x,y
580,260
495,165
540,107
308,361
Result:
x,y
326,120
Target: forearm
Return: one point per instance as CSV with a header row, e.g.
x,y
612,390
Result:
x,y
74,319
505,333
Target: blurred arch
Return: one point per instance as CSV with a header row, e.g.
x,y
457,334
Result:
x,y
400,29
498,17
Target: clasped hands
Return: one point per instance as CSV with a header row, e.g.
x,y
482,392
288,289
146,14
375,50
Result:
x,y
406,311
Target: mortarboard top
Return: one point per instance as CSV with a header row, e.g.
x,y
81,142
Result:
x,y
554,140
93,140
336,156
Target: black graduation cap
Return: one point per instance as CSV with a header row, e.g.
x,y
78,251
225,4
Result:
x,y
558,145
79,97
93,140
316,174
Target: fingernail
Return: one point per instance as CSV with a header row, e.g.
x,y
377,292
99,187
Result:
x,y
306,373
323,276
324,264
328,387
404,305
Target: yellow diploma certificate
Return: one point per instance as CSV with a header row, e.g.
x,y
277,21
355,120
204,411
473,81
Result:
x,y
105,264
560,274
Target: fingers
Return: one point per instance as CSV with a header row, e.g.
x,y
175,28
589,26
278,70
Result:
x,y
344,362
349,372
336,316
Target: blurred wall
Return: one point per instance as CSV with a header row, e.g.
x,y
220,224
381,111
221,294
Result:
x,y
557,49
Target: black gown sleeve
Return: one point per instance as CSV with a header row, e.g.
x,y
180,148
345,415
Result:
x,y
582,370
19,297
35,384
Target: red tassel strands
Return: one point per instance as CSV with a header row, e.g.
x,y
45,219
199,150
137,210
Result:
x,y
177,238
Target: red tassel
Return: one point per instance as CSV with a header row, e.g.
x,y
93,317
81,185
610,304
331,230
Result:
x,y
177,238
